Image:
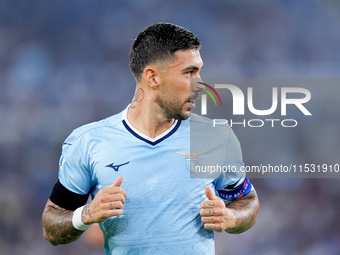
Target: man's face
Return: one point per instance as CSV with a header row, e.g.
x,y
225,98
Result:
x,y
176,96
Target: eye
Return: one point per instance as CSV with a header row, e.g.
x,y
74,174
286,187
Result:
x,y
189,73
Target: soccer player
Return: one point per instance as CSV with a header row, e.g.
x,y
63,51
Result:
x,y
135,164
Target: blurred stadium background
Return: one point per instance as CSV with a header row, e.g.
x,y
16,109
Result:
x,y
65,63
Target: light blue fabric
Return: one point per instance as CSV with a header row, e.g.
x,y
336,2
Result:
x,y
161,213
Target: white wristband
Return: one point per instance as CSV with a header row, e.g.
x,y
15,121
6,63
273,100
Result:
x,y
76,220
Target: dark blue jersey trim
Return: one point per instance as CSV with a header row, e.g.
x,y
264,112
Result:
x,y
146,140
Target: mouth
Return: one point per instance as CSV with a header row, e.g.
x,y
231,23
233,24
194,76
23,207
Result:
x,y
192,104
191,101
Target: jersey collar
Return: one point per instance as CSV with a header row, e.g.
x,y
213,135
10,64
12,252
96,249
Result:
x,y
145,138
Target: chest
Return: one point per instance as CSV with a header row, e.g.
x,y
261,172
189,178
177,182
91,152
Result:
x,y
143,167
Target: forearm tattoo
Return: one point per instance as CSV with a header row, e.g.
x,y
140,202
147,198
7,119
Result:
x,y
139,96
245,211
58,227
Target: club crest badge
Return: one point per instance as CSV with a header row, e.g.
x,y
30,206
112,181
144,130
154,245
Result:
x,y
191,161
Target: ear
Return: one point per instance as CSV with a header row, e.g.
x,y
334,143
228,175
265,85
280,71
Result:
x,y
151,76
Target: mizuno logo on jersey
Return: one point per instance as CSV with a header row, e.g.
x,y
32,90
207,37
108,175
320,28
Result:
x,y
116,167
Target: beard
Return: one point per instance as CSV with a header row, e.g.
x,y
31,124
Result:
x,y
172,108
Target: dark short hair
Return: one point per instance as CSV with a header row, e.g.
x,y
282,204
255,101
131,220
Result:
x,y
159,42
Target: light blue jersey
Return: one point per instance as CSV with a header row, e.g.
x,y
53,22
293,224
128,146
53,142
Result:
x,y
161,213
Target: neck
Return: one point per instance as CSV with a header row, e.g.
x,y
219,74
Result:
x,y
145,115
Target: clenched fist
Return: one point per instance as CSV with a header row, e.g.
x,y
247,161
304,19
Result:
x,y
214,213
107,203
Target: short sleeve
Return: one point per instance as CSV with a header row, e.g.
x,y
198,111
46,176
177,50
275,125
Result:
x,y
235,182
73,170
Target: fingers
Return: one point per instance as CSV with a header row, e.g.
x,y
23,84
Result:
x,y
216,226
117,182
105,214
213,218
115,205
118,194
111,205
115,187
110,198
210,195
108,202
212,203
216,211
121,197
213,211
115,212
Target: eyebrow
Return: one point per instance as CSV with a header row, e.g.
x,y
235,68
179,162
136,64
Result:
x,y
192,68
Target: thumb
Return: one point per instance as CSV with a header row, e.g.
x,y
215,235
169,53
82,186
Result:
x,y
210,195
117,182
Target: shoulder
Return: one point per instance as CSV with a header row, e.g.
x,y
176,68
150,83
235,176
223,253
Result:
x,y
96,128
205,126
195,118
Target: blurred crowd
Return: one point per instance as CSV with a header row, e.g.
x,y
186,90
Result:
x,y
65,63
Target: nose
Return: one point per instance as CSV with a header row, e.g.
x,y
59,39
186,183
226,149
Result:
x,y
197,84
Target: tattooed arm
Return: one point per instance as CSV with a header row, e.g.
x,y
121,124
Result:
x,y
234,217
244,210
57,222
57,225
